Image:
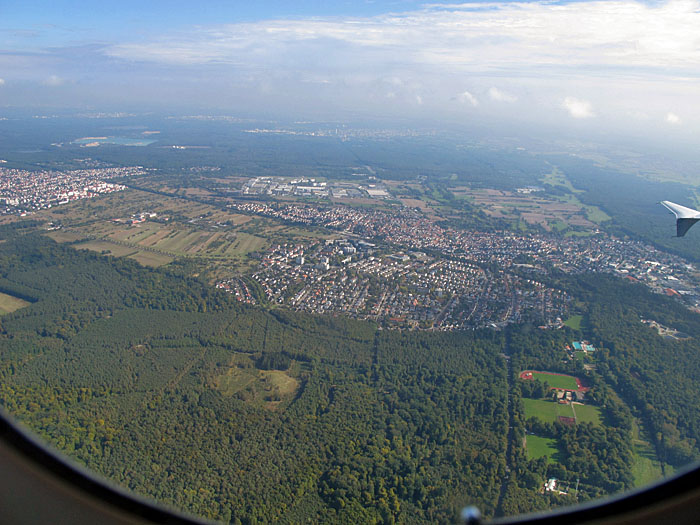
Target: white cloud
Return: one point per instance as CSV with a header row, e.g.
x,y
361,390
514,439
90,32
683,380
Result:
x,y
53,80
513,35
419,100
2,81
616,56
467,98
638,115
501,96
672,118
578,108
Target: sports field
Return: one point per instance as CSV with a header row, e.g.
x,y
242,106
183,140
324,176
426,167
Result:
x,y
547,411
538,447
557,380
9,303
587,414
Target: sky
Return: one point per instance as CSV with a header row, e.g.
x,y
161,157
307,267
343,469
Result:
x,y
613,65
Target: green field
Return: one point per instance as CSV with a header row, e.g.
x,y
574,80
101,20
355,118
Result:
x,y
556,381
105,246
547,411
235,379
538,447
557,178
266,388
145,258
587,414
646,466
153,260
574,322
9,303
246,243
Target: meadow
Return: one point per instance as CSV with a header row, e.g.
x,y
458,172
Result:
x,y
538,447
9,303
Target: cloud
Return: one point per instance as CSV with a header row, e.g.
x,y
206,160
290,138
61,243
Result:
x,y
578,108
485,36
467,98
501,96
2,81
672,118
638,115
615,55
53,80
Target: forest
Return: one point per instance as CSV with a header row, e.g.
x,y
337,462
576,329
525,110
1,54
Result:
x,y
174,390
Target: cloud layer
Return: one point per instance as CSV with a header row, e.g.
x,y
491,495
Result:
x,y
465,36
578,108
613,60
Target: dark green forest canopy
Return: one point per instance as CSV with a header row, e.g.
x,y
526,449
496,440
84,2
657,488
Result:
x,y
119,367
176,391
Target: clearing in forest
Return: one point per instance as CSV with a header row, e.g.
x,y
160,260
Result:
x,y
537,447
258,387
547,411
10,303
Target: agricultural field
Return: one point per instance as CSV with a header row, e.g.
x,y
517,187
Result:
x,y
64,236
179,229
530,209
9,303
592,213
537,447
557,178
143,257
107,248
154,260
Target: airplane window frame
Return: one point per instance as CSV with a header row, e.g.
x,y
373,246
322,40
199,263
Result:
x,y
674,499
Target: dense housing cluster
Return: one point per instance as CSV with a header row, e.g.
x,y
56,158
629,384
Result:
x,y
511,253
352,277
24,191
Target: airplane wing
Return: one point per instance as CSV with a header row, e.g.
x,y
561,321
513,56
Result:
x,y
685,217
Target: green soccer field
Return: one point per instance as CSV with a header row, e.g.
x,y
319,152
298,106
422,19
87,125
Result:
x,y
547,411
557,381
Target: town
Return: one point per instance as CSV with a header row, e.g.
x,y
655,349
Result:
x,y
23,192
469,279
397,266
399,289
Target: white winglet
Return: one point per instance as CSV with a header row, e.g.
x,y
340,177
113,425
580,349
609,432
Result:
x,y
681,212
685,217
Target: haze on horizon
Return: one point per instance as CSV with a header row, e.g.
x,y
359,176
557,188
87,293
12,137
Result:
x,y
606,66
